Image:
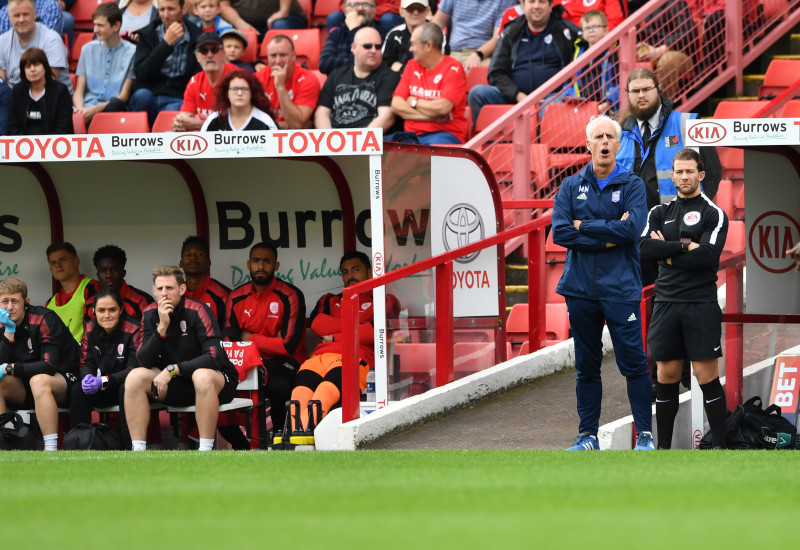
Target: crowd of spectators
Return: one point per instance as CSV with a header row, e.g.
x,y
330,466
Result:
x,y
170,55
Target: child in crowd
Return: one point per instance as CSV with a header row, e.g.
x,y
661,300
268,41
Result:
x,y
235,44
210,20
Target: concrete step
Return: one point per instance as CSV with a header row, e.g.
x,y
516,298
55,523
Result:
x,y
516,274
751,84
516,294
794,43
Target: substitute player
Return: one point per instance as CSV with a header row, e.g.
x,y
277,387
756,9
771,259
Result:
x,y
686,236
598,216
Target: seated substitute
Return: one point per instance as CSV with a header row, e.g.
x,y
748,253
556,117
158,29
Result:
x,y
320,378
196,265
181,361
69,302
108,354
271,313
39,357
110,261
686,236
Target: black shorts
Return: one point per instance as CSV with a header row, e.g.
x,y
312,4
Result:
x,y
29,403
180,391
681,330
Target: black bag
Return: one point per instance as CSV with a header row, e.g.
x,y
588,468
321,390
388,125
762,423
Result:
x,y
751,427
92,437
18,437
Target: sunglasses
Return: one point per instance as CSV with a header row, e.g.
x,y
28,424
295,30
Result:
x,y
206,51
370,46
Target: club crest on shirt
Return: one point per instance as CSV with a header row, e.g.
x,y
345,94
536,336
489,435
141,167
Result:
x,y
120,349
437,79
30,345
691,218
365,306
548,39
183,327
273,307
615,196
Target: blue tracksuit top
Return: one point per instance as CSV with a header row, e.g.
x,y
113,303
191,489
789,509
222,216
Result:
x,y
594,270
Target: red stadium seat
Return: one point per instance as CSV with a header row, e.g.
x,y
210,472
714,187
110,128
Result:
x,y
306,45
81,39
163,122
322,77
119,123
82,11
251,52
724,197
554,257
322,9
791,109
78,123
563,127
490,113
556,324
472,357
738,109
780,74
736,237
477,75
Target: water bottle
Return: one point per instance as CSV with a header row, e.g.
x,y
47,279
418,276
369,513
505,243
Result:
x,y
371,385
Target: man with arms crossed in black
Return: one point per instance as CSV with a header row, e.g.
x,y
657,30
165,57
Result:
x,y
686,236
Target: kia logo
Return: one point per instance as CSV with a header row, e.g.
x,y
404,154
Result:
x,y
707,132
377,261
188,145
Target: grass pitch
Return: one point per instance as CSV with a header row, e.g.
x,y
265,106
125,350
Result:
x,y
399,499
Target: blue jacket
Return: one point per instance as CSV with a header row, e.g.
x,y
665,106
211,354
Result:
x,y
593,269
667,139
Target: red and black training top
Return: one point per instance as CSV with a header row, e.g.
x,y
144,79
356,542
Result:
x,y
42,345
115,353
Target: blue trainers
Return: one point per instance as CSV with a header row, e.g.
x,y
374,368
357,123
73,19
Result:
x,y
585,442
644,442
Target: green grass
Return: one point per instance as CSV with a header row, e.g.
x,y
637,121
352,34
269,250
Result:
x,y
399,499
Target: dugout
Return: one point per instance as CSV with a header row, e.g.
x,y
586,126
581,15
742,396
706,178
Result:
x,y
312,193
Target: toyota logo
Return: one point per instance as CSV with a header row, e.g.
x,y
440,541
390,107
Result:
x,y
462,225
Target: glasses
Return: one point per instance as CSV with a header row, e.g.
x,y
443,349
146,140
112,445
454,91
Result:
x,y
370,46
592,28
360,5
211,50
637,91
239,91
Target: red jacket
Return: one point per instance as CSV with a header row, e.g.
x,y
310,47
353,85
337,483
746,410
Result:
x,y
213,294
276,317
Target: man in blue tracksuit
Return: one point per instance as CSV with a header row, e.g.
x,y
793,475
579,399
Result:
x,y
598,216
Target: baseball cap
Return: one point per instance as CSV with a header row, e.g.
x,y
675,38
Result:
x,y
207,38
405,3
237,34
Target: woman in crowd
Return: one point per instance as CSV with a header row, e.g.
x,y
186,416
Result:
x,y
40,104
108,354
241,105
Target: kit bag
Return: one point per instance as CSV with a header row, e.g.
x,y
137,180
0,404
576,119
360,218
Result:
x,y
92,437
750,426
15,435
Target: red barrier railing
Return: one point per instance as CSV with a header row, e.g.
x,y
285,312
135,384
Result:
x,y
443,266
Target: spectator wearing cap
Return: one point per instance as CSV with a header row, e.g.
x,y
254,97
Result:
x,y
397,46
164,63
235,43
200,96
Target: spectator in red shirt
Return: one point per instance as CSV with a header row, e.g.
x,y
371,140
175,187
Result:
x,y
292,90
200,97
432,94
